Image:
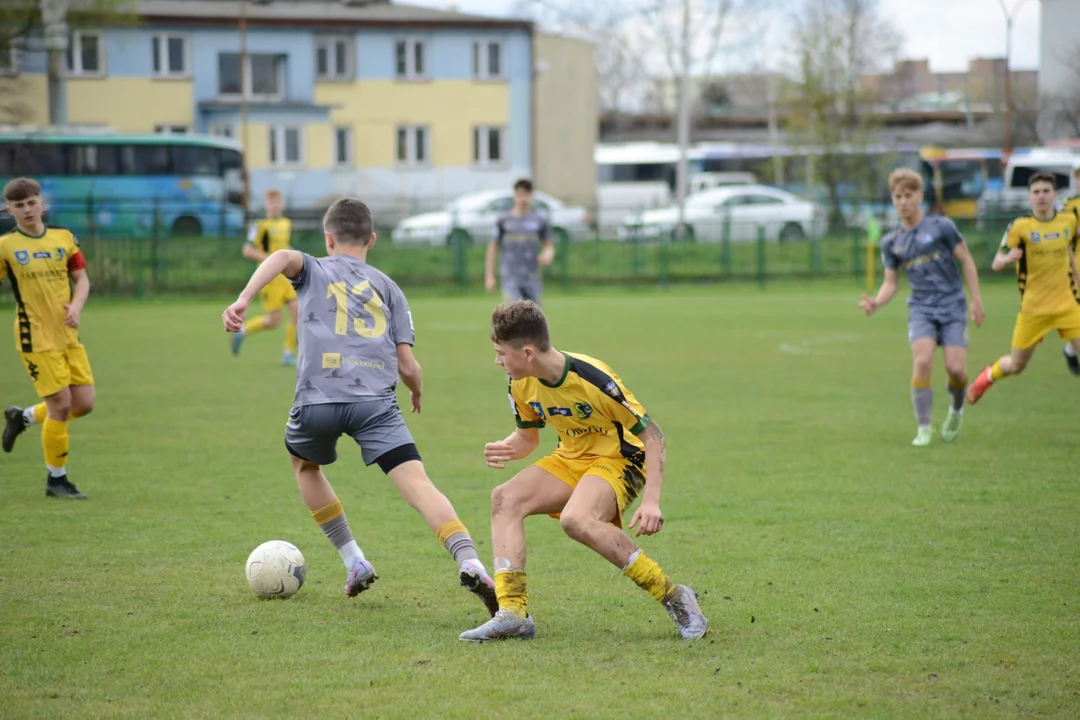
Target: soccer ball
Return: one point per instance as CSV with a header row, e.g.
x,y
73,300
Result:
x,y
276,569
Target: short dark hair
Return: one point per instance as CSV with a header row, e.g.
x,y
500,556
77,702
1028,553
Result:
x,y
524,184
520,323
349,220
1042,177
21,188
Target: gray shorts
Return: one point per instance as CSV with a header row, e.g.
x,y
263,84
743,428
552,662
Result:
x,y
522,289
948,330
376,425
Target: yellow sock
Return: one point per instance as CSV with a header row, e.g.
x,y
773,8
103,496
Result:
x,y
54,441
290,338
958,384
510,589
644,571
921,383
996,372
255,325
325,514
450,527
40,413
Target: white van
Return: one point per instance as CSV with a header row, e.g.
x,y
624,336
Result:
x,y
1012,199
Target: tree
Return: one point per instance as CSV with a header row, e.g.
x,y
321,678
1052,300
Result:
x,y
835,43
43,25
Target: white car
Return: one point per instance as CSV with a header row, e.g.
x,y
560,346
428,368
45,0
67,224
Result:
x,y
785,217
475,214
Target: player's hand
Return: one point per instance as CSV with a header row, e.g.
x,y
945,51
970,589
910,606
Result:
x,y
71,319
868,304
546,257
233,317
978,314
1014,255
415,399
489,283
497,454
652,520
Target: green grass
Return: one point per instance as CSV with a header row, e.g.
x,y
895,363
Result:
x,y
844,573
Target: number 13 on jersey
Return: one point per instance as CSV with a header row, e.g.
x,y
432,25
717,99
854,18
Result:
x,y
373,307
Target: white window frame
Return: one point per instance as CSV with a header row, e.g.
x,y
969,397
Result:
x,y
481,144
481,67
170,129
163,60
76,69
335,148
411,44
412,132
217,129
330,42
277,141
247,79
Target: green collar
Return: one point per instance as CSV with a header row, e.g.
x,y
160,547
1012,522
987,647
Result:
x,y
35,237
565,372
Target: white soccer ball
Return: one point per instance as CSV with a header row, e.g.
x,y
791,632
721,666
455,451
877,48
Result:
x,y
276,569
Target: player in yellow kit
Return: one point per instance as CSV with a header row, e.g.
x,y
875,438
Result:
x,y
41,262
608,446
1072,205
1042,244
266,236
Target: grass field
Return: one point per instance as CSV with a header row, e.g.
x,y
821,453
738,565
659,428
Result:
x,y
844,573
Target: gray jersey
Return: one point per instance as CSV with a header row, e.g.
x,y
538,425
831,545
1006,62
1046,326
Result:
x,y
926,254
351,319
519,238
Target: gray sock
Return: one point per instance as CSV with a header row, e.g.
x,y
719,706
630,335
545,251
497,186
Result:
x,y
957,394
923,400
461,547
337,531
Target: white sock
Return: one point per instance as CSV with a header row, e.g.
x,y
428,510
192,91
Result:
x,y
633,556
1070,350
28,416
925,427
57,472
350,552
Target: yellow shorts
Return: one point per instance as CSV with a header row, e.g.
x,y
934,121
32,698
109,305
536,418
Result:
x,y
276,294
624,477
1030,329
53,371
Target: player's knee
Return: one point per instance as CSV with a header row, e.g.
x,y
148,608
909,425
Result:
x,y
504,501
574,525
1018,365
82,409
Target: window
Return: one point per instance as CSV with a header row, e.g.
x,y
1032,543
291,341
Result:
x,y
488,146
95,160
9,62
86,54
222,129
286,146
333,58
412,145
343,146
169,55
410,58
487,60
195,160
147,160
172,129
264,79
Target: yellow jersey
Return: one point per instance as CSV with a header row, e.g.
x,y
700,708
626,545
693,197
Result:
x,y
1072,205
593,412
39,269
1044,273
270,234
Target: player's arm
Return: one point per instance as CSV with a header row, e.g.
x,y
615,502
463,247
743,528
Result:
x,y
648,513
289,263
77,271
254,248
971,278
411,374
517,445
1010,250
547,254
889,287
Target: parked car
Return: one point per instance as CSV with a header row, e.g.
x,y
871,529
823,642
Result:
x,y
784,216
1003,205
475,214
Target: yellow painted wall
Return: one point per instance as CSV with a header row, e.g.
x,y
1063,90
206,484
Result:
x,y
257,146
451,108
130,104
26,100
317,150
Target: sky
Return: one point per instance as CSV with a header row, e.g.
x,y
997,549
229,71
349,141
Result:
x,y
929,27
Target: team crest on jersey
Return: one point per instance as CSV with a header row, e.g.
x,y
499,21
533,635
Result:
x,y
1035,237
583,410
22,257
927,239
538,409
59,253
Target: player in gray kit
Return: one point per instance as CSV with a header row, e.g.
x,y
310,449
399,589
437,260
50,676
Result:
x,y
522,236
355,340
928,248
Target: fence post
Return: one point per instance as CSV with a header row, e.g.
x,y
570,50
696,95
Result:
x,y
564,259
815,256
856,255
761,256
461,260
91,226
665,245
155,241
725,245
139,242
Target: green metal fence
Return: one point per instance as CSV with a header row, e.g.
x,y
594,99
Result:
x,y
139,267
